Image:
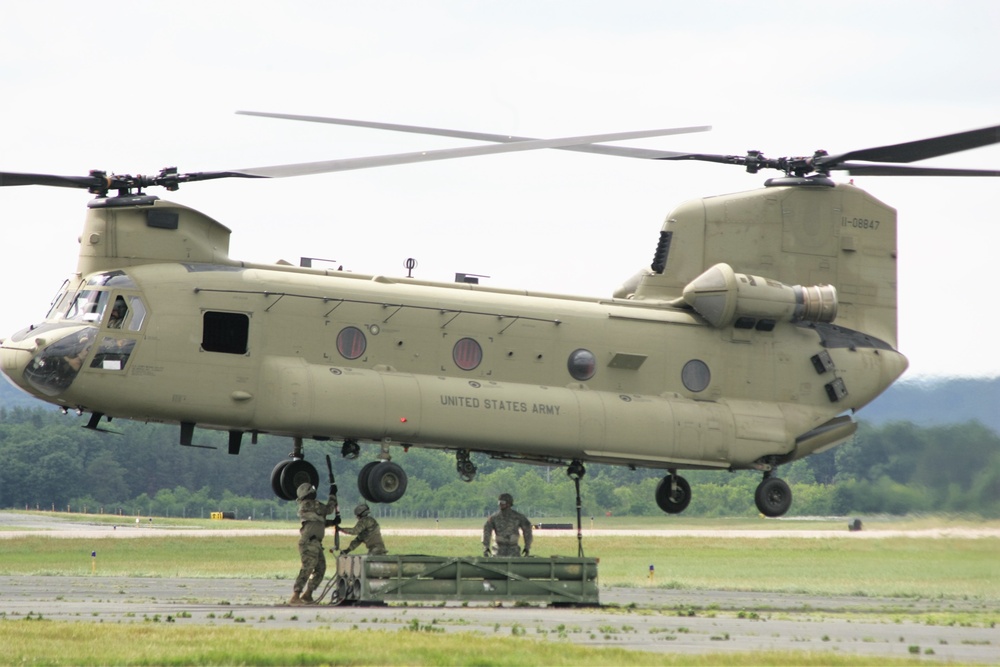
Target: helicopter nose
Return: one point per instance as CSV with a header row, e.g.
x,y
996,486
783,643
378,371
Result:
x,y
13,359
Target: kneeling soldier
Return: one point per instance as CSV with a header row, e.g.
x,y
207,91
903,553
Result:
x,y
366,531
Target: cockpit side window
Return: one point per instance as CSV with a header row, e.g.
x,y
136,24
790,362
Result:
x,y
119,311
113,353
138,313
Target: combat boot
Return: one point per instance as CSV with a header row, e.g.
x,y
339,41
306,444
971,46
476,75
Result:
x,y
307,598
296,600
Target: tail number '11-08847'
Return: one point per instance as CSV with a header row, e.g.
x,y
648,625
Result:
x,y
859,223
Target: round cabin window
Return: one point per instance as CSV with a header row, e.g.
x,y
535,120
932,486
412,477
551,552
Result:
x,y
351,342
695,375
467,354
582,364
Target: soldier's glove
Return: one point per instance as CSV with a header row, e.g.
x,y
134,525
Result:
x,y
333,489
525,552
344,552
486,553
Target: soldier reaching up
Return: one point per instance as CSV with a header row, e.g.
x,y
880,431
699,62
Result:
x,y
312,515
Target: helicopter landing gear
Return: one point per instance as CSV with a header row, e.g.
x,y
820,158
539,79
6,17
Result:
x,y
382,481
466,468
290,473
773,496
673,493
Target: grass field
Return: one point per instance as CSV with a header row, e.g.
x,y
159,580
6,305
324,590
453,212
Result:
x,y
910,567
138,644
893,566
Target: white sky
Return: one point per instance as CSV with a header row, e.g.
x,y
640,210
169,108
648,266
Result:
x,y
137,87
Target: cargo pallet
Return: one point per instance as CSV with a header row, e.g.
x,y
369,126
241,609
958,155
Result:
x,y
380,579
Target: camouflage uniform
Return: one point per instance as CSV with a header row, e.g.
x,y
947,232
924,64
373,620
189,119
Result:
x,y
368,533
312,513
505,524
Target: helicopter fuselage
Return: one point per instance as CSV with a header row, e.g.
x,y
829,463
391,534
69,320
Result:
x,y
733,371
341,355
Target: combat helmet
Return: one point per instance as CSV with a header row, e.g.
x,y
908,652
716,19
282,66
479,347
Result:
x,y
305,488
361,510
507,498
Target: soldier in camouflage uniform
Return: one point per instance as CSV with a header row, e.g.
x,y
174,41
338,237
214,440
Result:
x,y
505,524
312,513
367,532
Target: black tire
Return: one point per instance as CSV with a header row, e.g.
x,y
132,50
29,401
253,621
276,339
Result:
x,y
678,501
276,480
298,471
773,497
387,482
363,481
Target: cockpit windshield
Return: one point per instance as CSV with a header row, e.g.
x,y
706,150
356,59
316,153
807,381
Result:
x,y
87,306
89,303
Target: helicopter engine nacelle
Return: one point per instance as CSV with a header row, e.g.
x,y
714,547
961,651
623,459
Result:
x,y
724,297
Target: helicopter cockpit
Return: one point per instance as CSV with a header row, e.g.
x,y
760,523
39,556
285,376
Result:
x,y
86,327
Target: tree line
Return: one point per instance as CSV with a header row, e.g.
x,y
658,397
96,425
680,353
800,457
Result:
x,y
47,461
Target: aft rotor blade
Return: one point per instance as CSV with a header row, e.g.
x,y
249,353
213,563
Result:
x,y
347,164
619,151
902,170
912,151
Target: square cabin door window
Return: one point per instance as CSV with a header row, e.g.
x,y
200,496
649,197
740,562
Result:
x,y
225,332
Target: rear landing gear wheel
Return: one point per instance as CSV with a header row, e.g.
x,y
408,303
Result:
x,y
363,481
773,497
673,494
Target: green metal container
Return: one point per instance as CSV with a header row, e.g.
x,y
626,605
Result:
x,y
404,578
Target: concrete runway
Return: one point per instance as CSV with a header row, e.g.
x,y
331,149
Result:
x,y
631,618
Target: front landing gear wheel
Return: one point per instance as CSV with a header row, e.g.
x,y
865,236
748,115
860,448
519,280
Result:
x,y
387,482
276,480
294,473
773,497
673,494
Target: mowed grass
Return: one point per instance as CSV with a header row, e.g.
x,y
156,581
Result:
x,y
847,565
42,643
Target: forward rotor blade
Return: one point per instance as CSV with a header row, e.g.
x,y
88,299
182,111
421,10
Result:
x,y
10,178
912,151
619,151
347,164
170,179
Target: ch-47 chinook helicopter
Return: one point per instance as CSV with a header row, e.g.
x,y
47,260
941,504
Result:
x,y
763,321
